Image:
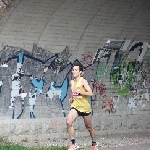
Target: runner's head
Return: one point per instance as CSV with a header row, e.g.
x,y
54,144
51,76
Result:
x,y
77,69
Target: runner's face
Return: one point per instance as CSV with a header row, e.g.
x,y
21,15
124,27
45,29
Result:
x,y
76,72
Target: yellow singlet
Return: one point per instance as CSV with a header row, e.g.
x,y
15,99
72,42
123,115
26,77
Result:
x,y
80,102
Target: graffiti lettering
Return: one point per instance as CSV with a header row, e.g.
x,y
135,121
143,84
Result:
x,y
99,87
87,58
108,105
102,71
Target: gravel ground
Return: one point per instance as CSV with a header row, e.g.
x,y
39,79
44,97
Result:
x,y
134,141
145,146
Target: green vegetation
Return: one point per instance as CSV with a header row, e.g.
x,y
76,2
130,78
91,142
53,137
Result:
x,y
10,146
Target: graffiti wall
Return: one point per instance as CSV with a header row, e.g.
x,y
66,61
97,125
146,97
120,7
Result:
x,y
122,77
36,84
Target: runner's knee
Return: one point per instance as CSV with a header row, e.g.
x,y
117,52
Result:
x,y
88,127
68,122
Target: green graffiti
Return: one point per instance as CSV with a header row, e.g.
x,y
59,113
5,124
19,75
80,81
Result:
x,y
102,71
129,80
107,72
130,65
125,75
124,92
146,59
117,63
114,80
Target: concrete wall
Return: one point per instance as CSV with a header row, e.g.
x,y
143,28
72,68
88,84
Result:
x,y
49,130
40,41
35,85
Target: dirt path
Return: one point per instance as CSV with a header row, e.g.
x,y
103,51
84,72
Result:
x,y
114,142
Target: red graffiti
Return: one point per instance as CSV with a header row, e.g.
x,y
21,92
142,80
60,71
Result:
x,y
108,105
87,58
99,86
146,68
146,65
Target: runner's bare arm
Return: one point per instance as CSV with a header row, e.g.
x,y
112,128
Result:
x,y
87,87
71,97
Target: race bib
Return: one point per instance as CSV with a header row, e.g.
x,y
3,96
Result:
x,y
76,94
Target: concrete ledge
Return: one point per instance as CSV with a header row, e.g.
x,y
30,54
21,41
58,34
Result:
x,y
50,128
64,136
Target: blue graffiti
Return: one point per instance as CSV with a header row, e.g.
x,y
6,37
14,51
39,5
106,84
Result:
x,y
61,91
38,84
20,58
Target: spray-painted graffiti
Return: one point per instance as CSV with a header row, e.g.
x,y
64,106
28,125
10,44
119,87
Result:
x,y
87,59
128,70
102,71
41,77
138,100
99,87
146,74
31,77
108,105
37,75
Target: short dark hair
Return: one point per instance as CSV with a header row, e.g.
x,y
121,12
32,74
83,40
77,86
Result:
x,y
80,66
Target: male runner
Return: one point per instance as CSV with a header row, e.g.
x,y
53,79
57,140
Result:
x,y
80,106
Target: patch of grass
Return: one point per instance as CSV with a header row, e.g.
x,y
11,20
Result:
x,y
4,145
18,147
